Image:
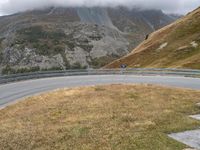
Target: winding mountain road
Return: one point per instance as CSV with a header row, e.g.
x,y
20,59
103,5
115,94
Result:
x,y
12,92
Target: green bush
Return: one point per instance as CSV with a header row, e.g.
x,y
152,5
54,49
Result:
x,y
9,70
58,49
1,55
102,61
33,34
96,37
66,62
57,35
86,47
43,49
25,70
78,66
45,42
1,40
70,44
52,69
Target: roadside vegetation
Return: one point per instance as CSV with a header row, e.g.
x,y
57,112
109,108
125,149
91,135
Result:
x,y
102,61
1,53
47,42
118,117
8,70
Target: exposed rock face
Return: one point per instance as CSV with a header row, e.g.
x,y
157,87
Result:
x,y
95,16
63,38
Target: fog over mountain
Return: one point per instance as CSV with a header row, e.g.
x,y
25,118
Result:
x,y
77,34
169,6
73,37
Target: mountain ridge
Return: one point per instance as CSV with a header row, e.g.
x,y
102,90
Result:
x,y
174,46
63,38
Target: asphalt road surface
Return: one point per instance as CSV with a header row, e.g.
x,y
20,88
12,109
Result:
x,y
12,92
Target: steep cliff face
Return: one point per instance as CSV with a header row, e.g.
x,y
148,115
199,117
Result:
x,y
63,38
156,19
136,23
95,16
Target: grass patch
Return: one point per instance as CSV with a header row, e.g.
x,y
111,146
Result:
x,y
45,42
179,51
1,56
118,117
8,70
1,53
11,70
102,61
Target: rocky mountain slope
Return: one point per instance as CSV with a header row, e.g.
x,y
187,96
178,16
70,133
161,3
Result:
x,y
174,46
67,38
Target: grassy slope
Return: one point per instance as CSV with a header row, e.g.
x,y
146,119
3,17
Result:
x,y
179,52
103,117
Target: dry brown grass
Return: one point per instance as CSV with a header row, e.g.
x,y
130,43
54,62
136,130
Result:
x,y
135,117
177,35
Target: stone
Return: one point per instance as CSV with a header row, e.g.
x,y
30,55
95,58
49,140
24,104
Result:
x,y
197,117
190,138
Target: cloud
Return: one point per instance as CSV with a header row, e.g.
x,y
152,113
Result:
x,y
171,6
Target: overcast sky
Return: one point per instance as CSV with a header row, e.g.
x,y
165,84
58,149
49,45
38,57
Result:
x,y
169,6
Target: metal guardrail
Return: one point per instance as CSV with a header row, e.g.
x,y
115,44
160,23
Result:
x,y
131,71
